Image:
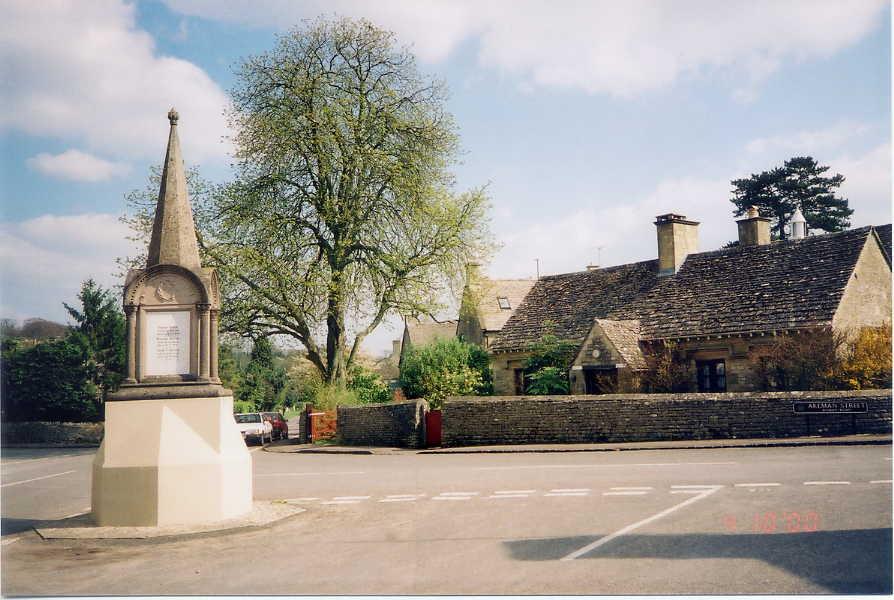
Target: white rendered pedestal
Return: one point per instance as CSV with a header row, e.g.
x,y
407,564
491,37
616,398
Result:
x,y
179,461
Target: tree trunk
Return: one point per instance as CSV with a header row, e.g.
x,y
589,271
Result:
x,y
335,334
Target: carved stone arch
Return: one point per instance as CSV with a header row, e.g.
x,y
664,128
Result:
x,y
132,294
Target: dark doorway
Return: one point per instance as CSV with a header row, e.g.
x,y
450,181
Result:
x,y
601,381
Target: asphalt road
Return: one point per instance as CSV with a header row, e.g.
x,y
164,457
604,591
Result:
x,y
713,521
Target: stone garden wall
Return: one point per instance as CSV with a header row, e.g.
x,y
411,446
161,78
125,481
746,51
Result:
x,y
469,421
401,424
52,434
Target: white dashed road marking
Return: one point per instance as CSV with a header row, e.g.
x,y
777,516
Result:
x,y
459,493
827,483
452,498
563,490
36,479
757,484
686,491
880,481
508,496
554,494
624,489
625,530
623,465
515,491
694,487
624,493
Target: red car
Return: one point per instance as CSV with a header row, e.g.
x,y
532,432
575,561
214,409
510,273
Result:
x,y
280,426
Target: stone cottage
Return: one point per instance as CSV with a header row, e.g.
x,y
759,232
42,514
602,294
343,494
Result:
x,y
485,307
718,307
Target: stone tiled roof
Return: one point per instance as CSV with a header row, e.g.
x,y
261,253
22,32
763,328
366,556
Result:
x,y
787,284
424,333
490,315
567,304
884,234
625,336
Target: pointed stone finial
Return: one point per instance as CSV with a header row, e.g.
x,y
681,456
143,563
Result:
x,y
173,231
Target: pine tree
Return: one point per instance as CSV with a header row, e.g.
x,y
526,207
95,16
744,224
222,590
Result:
x,y
800,183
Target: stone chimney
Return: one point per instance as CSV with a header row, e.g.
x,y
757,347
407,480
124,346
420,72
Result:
x,y
754,230
799,225
677,238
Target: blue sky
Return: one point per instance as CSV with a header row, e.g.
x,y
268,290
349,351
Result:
x,y
586,119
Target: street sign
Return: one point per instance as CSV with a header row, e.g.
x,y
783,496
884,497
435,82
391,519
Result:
x,y
830,406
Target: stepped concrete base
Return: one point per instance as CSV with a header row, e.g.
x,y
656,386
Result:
x,y
176,461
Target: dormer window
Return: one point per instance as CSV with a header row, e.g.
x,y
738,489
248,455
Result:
x,y
504,302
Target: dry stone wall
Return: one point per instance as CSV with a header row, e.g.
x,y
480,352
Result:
x,y
469,421
52,434
401,424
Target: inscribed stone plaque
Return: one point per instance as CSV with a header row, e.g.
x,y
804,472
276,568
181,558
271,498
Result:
x,y
167,343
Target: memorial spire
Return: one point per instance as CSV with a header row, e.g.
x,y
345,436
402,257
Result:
x,y
173,231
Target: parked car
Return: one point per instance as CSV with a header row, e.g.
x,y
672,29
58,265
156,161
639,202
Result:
x,y
254,426
280,426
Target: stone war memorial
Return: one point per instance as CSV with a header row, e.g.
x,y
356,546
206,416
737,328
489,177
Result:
x,y
171,454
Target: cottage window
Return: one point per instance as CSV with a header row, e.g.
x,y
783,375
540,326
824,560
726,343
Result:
x,y
711,375
504,302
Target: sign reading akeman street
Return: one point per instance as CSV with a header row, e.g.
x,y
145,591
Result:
x,y
831,406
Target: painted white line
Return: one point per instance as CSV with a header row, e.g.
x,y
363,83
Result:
x,y
561,490
625,530
515,491
827,483
642,487
404,495
77,514
413,499
567,494
351,498
508,496
757,484
452,498
880,481
622,465
35,479
695,487
686,491
624,493
458,494
9,541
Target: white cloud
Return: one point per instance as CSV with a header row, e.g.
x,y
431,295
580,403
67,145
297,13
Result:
x,y
599,46
76,166
44,260
626,232
83,71
867,184
809,142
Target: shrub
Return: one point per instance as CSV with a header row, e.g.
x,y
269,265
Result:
x,y
825,360
867,361
445,368
50,381
667,370
240,406
546,369
368,386
806,360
